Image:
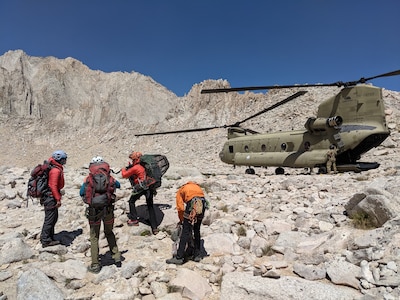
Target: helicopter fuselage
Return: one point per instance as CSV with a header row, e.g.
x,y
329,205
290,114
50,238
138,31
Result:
x,y
353,121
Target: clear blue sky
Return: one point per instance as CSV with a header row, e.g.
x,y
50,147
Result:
x,y
182,42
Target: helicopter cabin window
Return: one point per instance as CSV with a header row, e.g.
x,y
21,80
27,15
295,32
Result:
x,y
246,148
263,148
283,146
230,149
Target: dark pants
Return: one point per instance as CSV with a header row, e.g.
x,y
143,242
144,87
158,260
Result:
x,y
150,206
50,219
95,218
190,231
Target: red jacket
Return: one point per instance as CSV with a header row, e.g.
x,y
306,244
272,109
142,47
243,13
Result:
x,y
137,172
56,178
186,193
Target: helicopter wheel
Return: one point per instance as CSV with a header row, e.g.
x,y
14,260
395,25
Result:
x,y
279,171
250,171
322,170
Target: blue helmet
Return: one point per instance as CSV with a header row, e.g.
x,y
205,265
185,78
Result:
x,y
59,155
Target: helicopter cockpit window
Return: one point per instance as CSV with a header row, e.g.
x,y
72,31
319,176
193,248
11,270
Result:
x,y
283,146
246,148
263,148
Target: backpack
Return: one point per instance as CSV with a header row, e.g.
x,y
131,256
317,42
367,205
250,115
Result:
x,y
196,208
155,165
38,182
99,186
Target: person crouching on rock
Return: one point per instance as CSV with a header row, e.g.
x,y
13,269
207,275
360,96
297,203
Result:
x,y
191,206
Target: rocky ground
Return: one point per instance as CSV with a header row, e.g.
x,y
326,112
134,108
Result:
x,y
286,230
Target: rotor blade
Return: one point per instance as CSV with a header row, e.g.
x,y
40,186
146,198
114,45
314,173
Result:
x,y
251,131
364,80
255,88
270,87
294,96
181,131
394,73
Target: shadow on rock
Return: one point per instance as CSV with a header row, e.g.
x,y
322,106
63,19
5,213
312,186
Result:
x,y
107,260
143,213
67,237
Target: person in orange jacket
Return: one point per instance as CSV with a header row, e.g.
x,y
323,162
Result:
x,y
52,199
137,175
185,197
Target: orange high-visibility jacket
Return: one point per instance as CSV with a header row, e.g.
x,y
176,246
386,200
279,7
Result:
x,y
186,193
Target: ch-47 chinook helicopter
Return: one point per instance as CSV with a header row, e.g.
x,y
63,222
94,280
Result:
x,y
353,120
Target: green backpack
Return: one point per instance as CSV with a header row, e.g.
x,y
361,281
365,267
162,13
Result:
x,y
155,165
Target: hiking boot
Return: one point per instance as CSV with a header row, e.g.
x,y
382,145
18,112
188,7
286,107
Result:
x,y
94,268
133,222
51,243
175,261
118,263
197,258
155,231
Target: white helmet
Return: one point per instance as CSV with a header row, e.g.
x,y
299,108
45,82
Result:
x,y
97,159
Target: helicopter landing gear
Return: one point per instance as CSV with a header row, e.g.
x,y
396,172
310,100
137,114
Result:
x,y
250,171
279,171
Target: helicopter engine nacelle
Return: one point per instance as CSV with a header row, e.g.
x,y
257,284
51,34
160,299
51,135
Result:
x,y
316,125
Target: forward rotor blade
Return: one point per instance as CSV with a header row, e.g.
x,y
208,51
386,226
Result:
x,y
237,124
180,131
294,96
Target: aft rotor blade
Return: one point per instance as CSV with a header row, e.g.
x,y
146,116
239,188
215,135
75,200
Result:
x,y
270,87
394,73
294,96
181,131
255,88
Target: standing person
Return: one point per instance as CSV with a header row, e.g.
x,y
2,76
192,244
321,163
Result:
x,y
137,176
52,199
186,197
96,188
331,159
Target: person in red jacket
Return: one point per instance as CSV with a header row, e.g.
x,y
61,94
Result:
x,y
52,198
137,175
185,197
